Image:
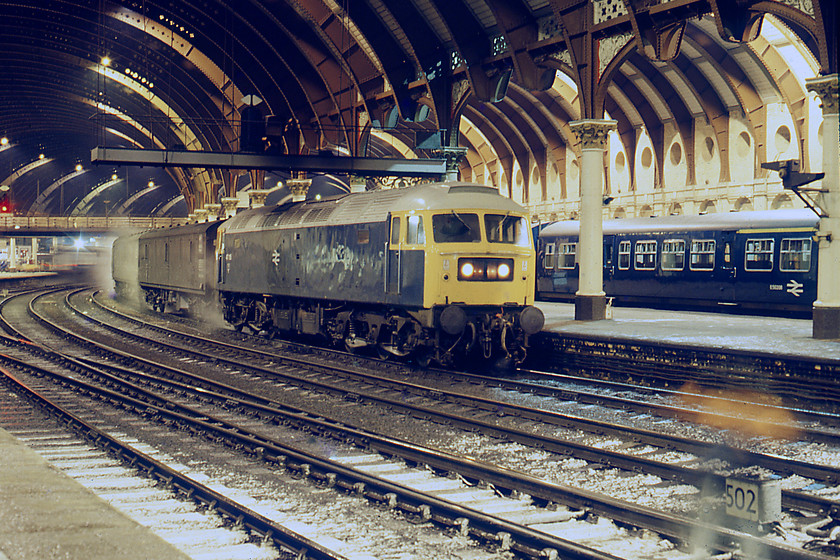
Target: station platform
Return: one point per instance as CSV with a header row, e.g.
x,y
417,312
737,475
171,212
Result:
x,y
707,330
46,514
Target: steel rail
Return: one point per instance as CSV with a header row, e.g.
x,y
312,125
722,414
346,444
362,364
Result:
x,y
803,432
679,473
488,527
284,538
671,525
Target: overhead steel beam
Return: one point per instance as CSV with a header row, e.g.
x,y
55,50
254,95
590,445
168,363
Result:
x,y
334,164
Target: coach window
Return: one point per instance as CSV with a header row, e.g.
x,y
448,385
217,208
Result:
x,y
192,252
395,231
673,254
166,252
548,258
702,255
567,255
645,255
795,255
759,254
416,232
624,255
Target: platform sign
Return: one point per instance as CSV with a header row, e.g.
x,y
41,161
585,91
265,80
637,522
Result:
x,y
753,500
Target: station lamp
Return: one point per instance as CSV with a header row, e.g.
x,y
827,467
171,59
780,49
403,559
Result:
x,y
4,141
78,167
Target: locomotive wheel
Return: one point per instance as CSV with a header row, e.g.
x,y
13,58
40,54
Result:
x,y
424,357
383,354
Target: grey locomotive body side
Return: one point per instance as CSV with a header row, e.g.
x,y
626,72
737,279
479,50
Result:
x,y
343,262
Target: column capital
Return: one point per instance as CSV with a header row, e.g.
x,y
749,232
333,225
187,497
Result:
x,y
827,88
200,214
229,203
257,197
593,133
453,156
358,183
214,210
298,188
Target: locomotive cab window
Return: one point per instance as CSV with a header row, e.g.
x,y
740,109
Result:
x,y
506,229
673,254
759,255
456,227
416,234
624,255
795,255
567,255
548,257
395,231
645,255
702,254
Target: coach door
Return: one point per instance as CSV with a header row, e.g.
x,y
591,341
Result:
x,y
393,259
727,272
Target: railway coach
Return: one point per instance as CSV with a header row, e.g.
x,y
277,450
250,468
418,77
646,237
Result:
x,y
759,260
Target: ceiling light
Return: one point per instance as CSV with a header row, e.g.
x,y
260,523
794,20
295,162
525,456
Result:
x,y
40,156
151,184
78,167
4,141
105,61
114,177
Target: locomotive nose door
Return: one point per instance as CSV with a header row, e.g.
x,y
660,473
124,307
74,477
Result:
x,y
393,259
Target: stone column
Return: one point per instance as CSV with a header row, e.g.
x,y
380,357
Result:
x,y
12,254
299,188
257,197
826,311
590,299
229,203
35,251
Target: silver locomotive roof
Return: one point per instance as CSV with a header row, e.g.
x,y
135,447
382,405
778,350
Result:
x,y
753,219
374,206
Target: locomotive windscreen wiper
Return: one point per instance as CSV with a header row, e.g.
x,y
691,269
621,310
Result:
x,y
460,219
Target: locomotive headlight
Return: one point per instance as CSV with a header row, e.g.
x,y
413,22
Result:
x,y
503,270
467,270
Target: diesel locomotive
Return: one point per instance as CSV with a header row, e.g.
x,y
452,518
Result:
x,y
439,272
753,260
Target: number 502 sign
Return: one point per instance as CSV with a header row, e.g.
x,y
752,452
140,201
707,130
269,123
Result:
x,y
759,501
741,499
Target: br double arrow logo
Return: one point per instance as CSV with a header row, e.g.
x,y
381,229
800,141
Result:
x,y
795,288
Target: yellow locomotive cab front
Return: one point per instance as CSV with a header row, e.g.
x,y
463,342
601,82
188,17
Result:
x,y
479,257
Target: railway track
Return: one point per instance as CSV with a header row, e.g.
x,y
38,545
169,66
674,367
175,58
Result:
x,y
501,480
796,379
